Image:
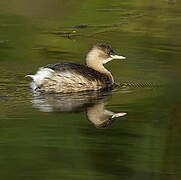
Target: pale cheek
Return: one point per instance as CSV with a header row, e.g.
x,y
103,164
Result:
x,y
103,56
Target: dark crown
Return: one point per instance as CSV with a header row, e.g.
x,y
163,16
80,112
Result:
x,y
104,47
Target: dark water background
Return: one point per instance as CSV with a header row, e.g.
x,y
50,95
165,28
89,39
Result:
x,y
62,143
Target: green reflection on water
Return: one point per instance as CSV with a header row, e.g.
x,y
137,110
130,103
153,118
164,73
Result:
x,y
145,144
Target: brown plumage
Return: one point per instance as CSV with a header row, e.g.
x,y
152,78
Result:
x,y
65,77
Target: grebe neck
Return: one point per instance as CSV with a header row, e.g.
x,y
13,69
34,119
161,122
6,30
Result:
x,y
103,70
95,61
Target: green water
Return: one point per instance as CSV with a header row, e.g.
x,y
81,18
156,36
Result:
x,y
53,137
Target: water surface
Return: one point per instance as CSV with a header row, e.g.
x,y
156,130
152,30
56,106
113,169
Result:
x,y
54,137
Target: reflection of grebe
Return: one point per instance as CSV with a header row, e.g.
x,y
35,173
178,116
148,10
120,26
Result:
x,y
67,77
92,102
101,117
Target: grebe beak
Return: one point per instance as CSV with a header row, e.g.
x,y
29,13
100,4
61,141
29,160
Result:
x,y
117,57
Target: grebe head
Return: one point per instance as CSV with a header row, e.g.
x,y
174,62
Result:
x,y
100,54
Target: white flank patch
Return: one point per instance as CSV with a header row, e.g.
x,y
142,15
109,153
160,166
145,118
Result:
x,y
33,86
41,74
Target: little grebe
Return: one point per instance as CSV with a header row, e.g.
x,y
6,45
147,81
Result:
x,y
65,77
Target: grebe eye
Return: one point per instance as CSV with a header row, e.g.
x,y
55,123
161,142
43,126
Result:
x,y
109,52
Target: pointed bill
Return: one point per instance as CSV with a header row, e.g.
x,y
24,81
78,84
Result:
x,y
118,115
117,57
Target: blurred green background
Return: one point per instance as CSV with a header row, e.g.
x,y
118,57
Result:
x,y
145,144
